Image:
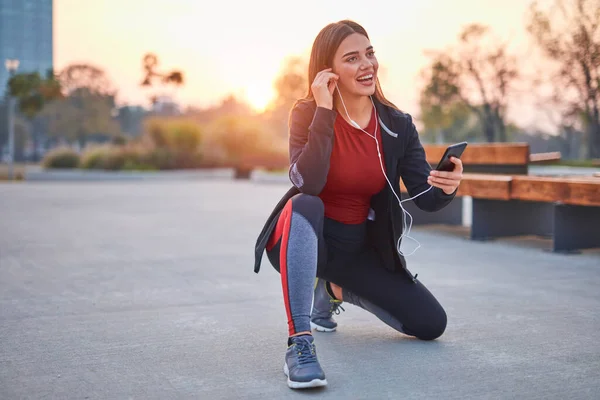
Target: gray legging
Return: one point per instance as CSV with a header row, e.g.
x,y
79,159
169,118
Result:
x,y
305,244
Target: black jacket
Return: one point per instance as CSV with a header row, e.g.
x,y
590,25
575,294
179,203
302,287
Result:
x,y
310,145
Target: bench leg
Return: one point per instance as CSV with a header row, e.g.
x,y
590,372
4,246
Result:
x,y
449,215
576,227
500,218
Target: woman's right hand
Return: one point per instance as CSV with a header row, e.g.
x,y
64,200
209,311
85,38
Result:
x,y
323,87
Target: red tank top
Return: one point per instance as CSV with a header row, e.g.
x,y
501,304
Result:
x,y
354,172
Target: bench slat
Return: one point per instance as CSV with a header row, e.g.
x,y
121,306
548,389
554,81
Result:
x,y
493,187
545,157
583,191
577,190
484,153
482,185
534,188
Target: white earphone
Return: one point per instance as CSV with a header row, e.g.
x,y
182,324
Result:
x,y
406,226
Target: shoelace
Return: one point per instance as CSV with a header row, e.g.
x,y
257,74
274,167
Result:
x,y
306,351
335,307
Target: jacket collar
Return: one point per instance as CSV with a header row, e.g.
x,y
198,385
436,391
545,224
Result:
x,y
385,120
383,114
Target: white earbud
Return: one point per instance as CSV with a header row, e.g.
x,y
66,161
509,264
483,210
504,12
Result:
x,y
406,227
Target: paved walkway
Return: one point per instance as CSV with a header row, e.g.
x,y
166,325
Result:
x,y
145,290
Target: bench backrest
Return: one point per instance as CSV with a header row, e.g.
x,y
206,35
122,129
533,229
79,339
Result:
x,y
487,158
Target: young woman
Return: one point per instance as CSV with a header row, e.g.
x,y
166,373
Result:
x,y
341,222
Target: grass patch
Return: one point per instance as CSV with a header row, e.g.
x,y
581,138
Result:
x,y
595,163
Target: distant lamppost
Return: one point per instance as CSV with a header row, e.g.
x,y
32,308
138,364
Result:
x,y
11,67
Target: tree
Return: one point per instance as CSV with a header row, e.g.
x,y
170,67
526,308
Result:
x,y
440,97
130,120
85,76
488,74
480,74
33,92
80,116
290,85
86,108
151,75
568,34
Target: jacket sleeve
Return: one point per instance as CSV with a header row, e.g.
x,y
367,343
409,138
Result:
x,y
414,170
310,145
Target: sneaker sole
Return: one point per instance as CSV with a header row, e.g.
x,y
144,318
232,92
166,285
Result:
x,y
302,385
320,328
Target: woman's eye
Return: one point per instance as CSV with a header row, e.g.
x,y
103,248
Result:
x,y
351,59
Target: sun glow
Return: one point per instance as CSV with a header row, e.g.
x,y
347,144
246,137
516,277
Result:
x,y
259,96
217,63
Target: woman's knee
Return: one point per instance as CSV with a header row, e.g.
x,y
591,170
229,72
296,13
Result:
x,y
430,328
311,211
308,206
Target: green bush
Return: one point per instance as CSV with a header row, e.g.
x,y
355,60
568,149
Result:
x,y
136,158
174,143
114,160
95,157
178,135
591,163
166,144
61,157
131,165
248,144
139,157
119,140
161,158
238,136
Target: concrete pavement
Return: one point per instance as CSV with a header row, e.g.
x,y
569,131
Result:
x,y
145,290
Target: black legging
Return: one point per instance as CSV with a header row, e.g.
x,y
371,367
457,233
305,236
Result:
x,y
345,259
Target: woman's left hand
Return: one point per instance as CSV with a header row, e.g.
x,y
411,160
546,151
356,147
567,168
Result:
x,y
447,181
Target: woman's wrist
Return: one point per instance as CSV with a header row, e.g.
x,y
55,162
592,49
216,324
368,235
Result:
x,y
326,105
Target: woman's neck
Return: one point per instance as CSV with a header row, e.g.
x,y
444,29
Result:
x,y
359,108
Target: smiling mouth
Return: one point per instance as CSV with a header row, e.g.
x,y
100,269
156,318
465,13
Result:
x,y
365,79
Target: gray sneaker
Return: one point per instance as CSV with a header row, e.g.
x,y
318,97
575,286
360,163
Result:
x,y
324,306
301,365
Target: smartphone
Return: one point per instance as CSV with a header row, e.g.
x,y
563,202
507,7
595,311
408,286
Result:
x,y
454,150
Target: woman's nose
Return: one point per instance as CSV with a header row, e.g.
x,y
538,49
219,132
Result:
x,y
366,64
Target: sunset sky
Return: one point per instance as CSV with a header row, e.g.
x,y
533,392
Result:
x,y
238,47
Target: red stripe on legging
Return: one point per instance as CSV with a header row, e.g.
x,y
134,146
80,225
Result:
x,y
286,217
277,232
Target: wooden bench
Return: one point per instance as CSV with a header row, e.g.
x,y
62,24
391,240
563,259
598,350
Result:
x,y
478,158
545,158
493,187
566,209
496,158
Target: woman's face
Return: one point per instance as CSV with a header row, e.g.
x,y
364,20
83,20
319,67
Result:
x,y
356,65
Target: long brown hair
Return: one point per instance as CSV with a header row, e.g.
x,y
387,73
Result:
x,y
323,50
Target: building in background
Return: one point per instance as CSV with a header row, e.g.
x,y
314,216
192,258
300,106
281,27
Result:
x,y
25,35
